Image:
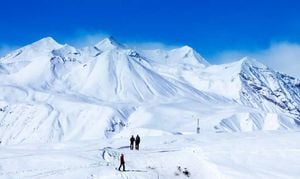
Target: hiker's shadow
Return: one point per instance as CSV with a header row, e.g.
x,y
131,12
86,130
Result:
x,y
124,147
135,170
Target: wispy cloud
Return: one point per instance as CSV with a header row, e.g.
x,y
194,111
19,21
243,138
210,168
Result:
x,y
84,38
5,49
150,45
283,57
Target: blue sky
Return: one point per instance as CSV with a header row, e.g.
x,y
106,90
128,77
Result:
x,y
212,27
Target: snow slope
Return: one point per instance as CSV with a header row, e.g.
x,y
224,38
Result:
x,y
51,92
250,84
208,156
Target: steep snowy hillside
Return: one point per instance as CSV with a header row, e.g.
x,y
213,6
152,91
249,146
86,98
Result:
x,y
52,92
269,90
251,84
64,93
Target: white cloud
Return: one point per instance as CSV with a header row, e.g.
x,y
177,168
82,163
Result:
x,y
84,38
228,56
5,49
283,57
150,45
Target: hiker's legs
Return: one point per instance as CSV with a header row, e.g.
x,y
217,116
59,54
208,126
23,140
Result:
x,y
123,166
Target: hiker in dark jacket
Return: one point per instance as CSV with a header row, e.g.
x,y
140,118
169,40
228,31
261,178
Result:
x,y
131,142
137,142
122,162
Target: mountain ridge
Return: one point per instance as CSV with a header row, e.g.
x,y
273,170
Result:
x,y
53,92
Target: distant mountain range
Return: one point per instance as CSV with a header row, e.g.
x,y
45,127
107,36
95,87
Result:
x,y
51,92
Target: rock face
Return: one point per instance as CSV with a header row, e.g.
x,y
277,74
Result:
x,y
52,92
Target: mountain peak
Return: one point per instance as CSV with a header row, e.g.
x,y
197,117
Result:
x,y
248,61
186,48
48,39
45,43
108,43
187,52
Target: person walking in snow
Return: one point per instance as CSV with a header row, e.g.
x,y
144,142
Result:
x,y
122,162
137,142
131,142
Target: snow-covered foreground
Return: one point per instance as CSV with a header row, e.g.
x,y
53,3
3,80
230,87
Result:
x,y
209,155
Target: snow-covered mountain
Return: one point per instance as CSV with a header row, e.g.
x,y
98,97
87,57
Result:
x,y
53,92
